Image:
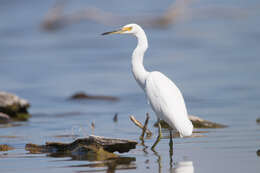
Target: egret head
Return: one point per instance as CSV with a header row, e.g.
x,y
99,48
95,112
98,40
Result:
x,y
127,29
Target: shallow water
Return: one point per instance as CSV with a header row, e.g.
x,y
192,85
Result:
x,y
212,55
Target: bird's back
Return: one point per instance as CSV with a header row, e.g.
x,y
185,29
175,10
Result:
x,y
167,102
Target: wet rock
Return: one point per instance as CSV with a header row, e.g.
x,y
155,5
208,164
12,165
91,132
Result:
x,y
80,152
4,118
201,123
5,147
82,95
95,147
85,152
197,123
14,107
258,152
258,120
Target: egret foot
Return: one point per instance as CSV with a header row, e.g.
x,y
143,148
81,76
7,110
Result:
x,y
159,135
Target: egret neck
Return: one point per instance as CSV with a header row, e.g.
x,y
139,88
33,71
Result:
x,y
139,72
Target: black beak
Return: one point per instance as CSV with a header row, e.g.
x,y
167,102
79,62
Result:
x,y
111,32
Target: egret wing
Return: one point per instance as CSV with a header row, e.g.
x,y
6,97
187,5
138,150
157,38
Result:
x,y
168,103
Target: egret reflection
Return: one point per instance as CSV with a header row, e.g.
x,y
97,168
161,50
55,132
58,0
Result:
x,y
183,167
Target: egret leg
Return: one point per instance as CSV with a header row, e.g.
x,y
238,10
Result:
x,y
159,135
171,149
171,141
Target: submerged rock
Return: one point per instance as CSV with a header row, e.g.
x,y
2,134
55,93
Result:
x,y
82,95
5,147
93,147
258,152
197,123
14,107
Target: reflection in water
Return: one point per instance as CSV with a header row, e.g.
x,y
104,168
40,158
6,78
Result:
x,y
171,149
183,167
144,146
178,167
110,164
12,124
159,160
170,155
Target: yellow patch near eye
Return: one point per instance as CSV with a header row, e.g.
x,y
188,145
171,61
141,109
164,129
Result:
x,y
127,29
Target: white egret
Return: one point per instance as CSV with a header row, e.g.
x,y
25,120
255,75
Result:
x,y
163,95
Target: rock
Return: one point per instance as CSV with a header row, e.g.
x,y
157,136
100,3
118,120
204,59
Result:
x,y
197,123
258,120
85,152
82,95
94,147
5,147
14,106
201,123
4,118
80,152
258,152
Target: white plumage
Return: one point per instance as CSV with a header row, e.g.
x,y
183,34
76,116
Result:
x,y
163,95
167,102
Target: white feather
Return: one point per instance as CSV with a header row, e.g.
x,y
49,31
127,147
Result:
x,y
167,102
164,96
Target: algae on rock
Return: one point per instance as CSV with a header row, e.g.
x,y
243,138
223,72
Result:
x,y
14,107
92,148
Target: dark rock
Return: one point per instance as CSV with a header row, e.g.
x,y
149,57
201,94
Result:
x,y
197,123
82,95
87,152
201,123
80,152
258,152
94,146
5,147
4,118
258,120
14,106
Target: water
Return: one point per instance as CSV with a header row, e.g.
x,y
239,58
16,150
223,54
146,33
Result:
x,y
212,55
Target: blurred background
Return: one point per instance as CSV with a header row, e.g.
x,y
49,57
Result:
x,y
50,50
